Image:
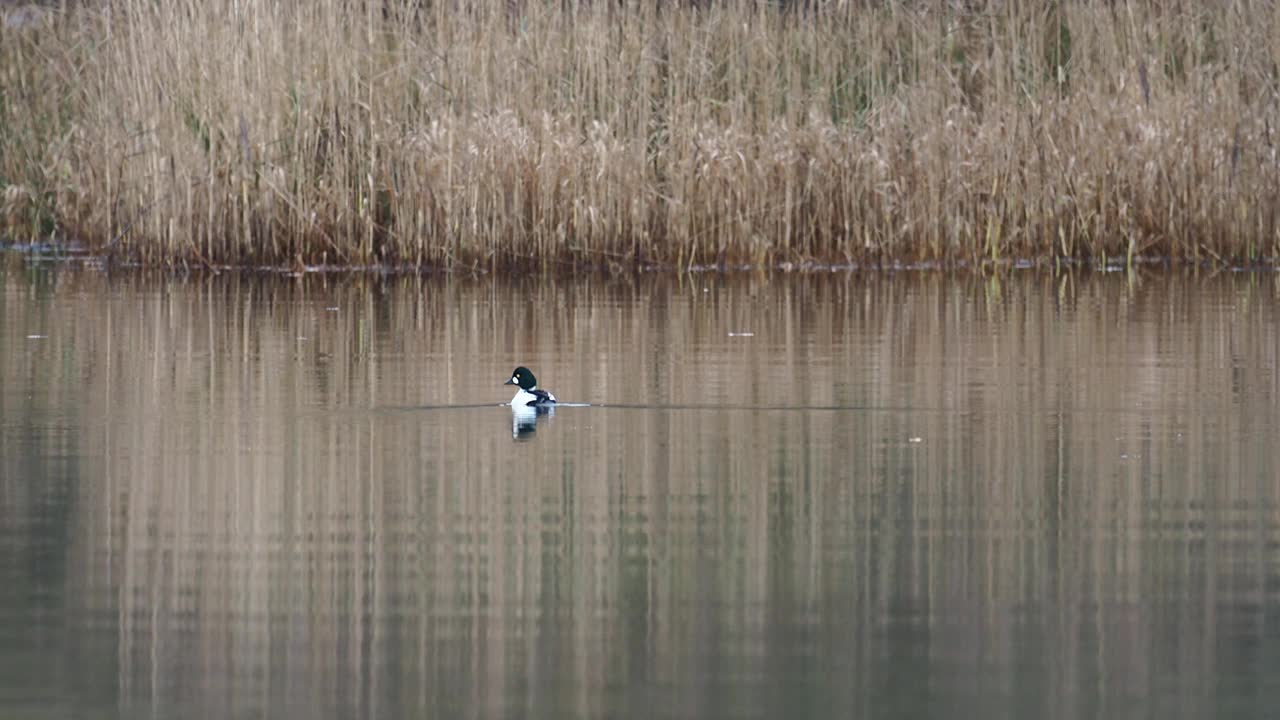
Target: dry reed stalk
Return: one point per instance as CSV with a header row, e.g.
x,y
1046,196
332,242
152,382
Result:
x,y
495,133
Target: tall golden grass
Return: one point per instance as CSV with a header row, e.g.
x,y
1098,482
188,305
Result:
x,y
498,132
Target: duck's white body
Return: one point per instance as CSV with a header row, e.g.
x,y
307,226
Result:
x,y
534,398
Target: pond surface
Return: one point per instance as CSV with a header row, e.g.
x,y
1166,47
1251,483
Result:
x,y
916,495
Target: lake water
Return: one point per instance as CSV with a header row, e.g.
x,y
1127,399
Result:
x,y
916,495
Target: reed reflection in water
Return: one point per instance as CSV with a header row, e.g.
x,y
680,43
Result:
x,y
1027,495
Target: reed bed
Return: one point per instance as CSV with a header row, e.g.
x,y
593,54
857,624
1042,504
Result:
x,y
500,133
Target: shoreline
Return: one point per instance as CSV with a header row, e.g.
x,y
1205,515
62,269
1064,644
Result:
x,y
51,252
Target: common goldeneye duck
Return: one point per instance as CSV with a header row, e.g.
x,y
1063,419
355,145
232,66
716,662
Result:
x,y
528,394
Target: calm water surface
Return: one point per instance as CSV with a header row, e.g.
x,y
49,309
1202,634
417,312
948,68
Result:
x,y
897,495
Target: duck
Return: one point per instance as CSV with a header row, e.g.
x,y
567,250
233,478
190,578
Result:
x,y
527,392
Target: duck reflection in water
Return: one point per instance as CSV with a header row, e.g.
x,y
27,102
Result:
x,y
525,419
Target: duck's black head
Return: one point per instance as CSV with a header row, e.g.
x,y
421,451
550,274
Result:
x,y
523,377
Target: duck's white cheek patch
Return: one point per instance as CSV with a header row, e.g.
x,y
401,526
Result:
x,y
514,381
